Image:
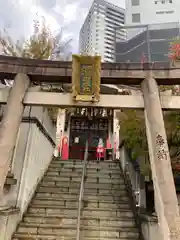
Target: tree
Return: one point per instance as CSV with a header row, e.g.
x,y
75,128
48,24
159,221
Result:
x,y
42,44
133,132
132,122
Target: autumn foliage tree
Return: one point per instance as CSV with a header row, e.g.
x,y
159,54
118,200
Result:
x,y
174,50
42,44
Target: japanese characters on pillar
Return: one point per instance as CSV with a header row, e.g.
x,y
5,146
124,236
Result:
x,y
86,78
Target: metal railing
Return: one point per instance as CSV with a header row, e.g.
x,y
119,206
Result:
x,y
81,193
134,177
132,174
135,185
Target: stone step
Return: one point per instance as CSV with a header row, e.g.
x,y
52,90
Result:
x,y
47,229
104,180
75,198
61,190
58,196
100,179
56,167
59,221
94,191
61,212
87,185
101,164
108,174
63,178
114,192
65,167
55,220
107,213
94,173
47,202
53,237
90,179
57,173
77,172
98,170
70,230
66,196
68,184
87,212
58,159
87,204
104,186
119,234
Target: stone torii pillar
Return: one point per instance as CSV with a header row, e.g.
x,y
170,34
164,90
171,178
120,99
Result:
x,y
165,193
10,124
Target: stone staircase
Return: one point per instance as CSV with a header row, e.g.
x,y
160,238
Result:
x,y
106,213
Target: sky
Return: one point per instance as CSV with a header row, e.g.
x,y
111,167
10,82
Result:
x,y
17,16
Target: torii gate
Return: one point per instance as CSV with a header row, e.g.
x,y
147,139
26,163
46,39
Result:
x,y
148,76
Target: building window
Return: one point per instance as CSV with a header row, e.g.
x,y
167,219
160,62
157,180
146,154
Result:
x,y
165,12
135,2
136,18
160,12
163,1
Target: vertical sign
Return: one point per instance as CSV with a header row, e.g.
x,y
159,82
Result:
x,y
86,82
86,76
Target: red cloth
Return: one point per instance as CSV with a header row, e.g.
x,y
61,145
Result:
x,y
65,149
100,152
108,144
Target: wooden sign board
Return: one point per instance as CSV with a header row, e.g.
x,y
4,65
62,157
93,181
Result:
x,y
86,78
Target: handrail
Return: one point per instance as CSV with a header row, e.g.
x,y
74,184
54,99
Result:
x,y
81,193
132,172
133,180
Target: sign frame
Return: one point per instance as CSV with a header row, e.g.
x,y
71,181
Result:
x,y
77,62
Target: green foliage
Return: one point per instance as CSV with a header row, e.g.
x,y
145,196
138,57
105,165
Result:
x,y
133,132
172,123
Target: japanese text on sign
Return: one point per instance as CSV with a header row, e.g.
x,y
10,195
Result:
x,y
86,79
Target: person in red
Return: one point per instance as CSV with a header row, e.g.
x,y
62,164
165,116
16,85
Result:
x,y
64,153
100,150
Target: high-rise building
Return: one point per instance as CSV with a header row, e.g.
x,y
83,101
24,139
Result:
x,y
142,12
103,24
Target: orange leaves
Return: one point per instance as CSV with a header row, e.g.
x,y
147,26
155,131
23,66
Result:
x,y
174,50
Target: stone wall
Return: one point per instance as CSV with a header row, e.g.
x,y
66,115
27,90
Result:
x,y
32,155
150,228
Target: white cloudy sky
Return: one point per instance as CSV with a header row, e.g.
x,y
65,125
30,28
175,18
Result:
x,y
17,15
